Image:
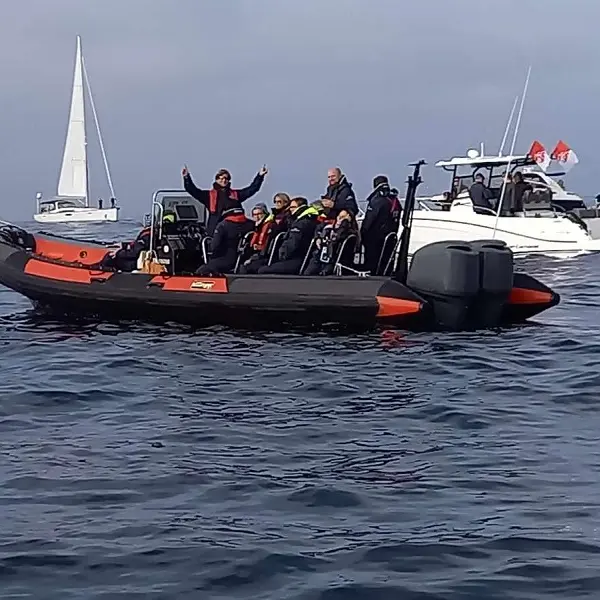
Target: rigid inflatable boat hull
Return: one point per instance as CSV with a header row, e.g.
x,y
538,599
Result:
x,y
265,299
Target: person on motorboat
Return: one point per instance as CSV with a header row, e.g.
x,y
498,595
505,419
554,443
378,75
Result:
x,y
480,194
328,241
339,195
221,197
226,242
278,224
382,217
520,188
297,239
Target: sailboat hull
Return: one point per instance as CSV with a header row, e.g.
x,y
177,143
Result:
x,y
78,215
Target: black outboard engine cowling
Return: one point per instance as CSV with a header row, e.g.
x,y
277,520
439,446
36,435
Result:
x,y
467,283
496,270
447,275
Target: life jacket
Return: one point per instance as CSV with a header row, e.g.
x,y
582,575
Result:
x,y
144,232
213,196
240,218
309,211
395,207
260,236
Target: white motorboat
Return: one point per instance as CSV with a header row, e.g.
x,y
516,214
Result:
x,y
71,203
542,228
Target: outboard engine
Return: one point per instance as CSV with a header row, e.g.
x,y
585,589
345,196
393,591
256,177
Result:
x,y
496,271
467,283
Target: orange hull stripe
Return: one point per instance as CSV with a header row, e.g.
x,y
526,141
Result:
x,y
526,296
192,284
396,307
46,270
57,250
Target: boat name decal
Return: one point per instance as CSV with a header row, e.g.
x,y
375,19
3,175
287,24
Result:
x,y
202,285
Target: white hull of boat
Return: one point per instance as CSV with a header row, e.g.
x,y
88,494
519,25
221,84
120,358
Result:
x,y
78,215
554,236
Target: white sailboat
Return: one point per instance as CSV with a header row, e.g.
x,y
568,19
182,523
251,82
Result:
x,y
71,203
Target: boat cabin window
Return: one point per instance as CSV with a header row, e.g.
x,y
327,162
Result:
x,y
65,204
47,207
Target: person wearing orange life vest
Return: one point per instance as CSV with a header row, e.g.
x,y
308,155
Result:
x,y
221,197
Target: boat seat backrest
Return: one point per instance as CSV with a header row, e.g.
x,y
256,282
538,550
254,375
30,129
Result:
x,y
275,247
537,200
389,244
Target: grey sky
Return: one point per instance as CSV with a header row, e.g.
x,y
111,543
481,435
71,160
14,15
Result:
x,y
367,85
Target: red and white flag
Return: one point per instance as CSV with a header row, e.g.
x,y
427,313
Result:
x,y
539,155
564,155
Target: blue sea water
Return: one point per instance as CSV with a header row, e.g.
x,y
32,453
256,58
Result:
x,y
161,463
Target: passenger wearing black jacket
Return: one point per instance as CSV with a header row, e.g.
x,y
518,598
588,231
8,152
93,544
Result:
x,y
221,197
297,240
339,195
381,218
329,238
225,242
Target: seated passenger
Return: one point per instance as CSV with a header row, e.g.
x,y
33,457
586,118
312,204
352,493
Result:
x,y
263,221
225,242
339,195
381,218
328,241
125,259
480,194
278,224
221,197
297,239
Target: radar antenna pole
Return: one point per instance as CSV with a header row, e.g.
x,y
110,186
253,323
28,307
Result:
x,y
414,180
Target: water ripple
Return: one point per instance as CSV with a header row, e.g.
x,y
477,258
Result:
x,y
147,462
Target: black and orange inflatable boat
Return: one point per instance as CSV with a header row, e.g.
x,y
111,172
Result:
x,y
449,286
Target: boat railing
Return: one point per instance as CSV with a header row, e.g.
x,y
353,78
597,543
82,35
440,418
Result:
x,y
389,238
205,249
276,245
339,265
242,247
307,255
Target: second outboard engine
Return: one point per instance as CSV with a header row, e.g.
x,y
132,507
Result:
x,y
496,269
467,283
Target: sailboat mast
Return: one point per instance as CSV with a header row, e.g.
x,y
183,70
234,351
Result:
x,y
87,171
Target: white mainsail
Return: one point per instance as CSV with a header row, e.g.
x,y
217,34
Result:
x,y
73,174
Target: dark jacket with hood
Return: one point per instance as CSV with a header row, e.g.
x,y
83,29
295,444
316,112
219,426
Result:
x,y
228,234
343,198
300,234
383,211
224,198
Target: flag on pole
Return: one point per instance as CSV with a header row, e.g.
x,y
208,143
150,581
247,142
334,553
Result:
x,y
564,155
538,153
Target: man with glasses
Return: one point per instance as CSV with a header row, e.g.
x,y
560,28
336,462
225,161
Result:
x,y
221,197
